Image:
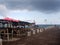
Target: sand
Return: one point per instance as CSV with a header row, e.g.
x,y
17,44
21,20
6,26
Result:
x,y
48,37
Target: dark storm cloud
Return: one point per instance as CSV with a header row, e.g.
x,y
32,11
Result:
x,y
40,5
47,5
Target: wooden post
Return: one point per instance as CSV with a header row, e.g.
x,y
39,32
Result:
x,y
12,33
7,35
0,34
19,32
29,33
4,34
0,41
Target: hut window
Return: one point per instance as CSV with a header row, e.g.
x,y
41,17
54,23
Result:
x,y
5,25
26,26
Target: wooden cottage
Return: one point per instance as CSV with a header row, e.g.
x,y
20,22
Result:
x,y
10,28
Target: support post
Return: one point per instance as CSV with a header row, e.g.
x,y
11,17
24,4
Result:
x,y
12,33
4,34
0,35
19,32
7,35
0,41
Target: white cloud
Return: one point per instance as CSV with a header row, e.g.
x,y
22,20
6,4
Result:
x,y
3,10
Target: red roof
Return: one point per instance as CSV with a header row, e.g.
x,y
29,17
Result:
x,y
10,19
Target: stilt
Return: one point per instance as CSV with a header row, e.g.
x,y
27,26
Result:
x,y
4,34
7,35
0,41
12,33
0,35
17,33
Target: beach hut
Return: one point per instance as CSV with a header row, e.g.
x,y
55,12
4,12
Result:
x,y
11,28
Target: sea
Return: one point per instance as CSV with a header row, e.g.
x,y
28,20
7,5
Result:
x,y
46,25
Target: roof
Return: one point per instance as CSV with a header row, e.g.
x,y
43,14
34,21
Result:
x,y
10,19
7,19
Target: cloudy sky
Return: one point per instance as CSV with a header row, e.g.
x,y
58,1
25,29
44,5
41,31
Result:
x,y
42,11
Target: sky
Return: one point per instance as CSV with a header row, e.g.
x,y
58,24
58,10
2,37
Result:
x,y
40,11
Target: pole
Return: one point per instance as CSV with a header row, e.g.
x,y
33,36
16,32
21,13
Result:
x,y
0,35
7,35
12,33
0,41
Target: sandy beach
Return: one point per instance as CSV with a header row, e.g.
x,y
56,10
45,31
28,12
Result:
x,y
48,37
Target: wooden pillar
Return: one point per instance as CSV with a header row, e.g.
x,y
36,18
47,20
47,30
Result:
x,y
19,32
4,33
7,35
0,41
12,33
0,34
